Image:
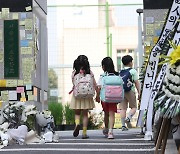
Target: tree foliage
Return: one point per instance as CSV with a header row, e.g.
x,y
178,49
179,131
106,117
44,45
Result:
x,y
52,79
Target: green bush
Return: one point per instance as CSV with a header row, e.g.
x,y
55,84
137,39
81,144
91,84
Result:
x,y
69,114
57,112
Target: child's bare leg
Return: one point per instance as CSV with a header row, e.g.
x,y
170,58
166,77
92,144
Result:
x,y
106,119
85,121
111,119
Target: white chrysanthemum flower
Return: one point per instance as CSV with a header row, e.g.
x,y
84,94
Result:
x,y
4,126
11,103
13,106
168,93
11,110
177,97
1,132
23,117
19,104
6,110
171,76
30,112
12,114
178,70
171,86
176,79
163,88
166,79
178,89
173,97
47,114
173,69
29,108
174,88
167,71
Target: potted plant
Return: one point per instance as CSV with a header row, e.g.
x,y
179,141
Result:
x,y
57,112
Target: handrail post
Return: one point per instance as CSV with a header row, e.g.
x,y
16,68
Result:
x,y
107,27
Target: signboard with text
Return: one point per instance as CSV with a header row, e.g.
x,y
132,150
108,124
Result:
x,y
11,49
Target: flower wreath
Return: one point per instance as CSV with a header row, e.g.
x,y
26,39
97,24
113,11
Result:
x,y
168,99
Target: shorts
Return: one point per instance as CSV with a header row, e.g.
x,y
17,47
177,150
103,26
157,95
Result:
x,y
129,98
109,107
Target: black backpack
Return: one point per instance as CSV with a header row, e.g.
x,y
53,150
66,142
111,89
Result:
x,y
127,79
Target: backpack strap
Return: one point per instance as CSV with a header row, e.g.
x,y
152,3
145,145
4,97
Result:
x,y
130,73
71,90
91,73
128,69
72,77
103,75
107,74
110,74
73,73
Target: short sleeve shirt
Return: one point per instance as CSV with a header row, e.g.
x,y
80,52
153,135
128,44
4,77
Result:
x,y
99,83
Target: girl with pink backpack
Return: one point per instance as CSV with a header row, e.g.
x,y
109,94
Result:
x,y
105,90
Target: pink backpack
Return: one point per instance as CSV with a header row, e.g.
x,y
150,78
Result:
x,y
83,86
113,93
112,88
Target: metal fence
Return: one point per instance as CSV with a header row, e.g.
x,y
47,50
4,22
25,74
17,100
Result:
x,y
95,30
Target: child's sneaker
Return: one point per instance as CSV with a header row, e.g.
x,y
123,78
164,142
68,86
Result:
x,y
105,132
110,135
128,122
76,131
124,128
85,136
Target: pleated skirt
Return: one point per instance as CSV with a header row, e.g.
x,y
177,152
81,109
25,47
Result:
x,y
82,103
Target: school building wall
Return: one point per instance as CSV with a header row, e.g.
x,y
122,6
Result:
x,y
92,43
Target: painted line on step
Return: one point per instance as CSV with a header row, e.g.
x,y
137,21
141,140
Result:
x,y
75,149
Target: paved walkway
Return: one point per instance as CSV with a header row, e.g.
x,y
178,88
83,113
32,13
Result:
x,y
128,142
171,147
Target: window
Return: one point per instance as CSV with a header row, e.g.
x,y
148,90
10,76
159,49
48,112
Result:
x,y
130,50
120,54
121,51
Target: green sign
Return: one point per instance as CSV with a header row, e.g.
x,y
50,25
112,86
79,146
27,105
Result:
x,y
11,49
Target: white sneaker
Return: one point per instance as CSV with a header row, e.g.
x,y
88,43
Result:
x,y
110,135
